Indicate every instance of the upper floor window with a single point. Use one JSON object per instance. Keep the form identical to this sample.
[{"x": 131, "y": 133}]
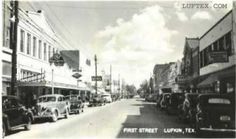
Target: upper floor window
[
  {"x": 45, "y": 51},
  {"x": 228, "y": 43},
  {"x": 40, "y": 49},
  {"x": 49, "y": 51},
  {"x": 34, "y": 46},
  {"x": 28, "y": 49},
  {"x": 22, "y": 40}
]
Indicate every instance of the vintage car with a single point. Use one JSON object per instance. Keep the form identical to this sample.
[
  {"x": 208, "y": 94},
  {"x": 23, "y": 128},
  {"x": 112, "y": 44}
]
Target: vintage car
[
  {"x": 215, "y": 112},
  {"x": 97, "y": 100},
  {"x": 189, "y": 108},
  {"x": 14, "y": 115},
  {"x": 51, "y": 106},
  {"x": 174, "y": 103},
  {"x": 107, "y": 98},
  {"x": 164, "y": 101},
  {"x": 76, "y": 104}
]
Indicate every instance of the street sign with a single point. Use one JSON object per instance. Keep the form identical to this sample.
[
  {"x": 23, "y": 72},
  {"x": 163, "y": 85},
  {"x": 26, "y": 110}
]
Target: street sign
[{"x": 96, "y": 78}]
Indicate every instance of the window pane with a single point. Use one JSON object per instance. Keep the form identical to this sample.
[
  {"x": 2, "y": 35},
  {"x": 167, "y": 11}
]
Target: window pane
[
  {"x": 28, "y": 43},
  {"x": 34, "y": 46},
  {"x": 6, "y": 68},
  {"x": 45, "y": 51},
  {"x": 40, "y": 49},
  {"x": 228, "y": 43},
  {"x": 49, "y": 51},
  {"x": 22, "y": 40}
]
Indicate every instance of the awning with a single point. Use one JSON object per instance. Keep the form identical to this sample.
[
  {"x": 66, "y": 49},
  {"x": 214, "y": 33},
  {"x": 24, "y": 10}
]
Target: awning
[
  {"x": 217, "y": 76},
  {"x": 208, "y": 81}
]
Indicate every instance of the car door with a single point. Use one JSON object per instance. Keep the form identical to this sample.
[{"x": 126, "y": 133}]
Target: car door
[
  {"x": 61, "y": 104},
  {"x": 15, "y": 112}
]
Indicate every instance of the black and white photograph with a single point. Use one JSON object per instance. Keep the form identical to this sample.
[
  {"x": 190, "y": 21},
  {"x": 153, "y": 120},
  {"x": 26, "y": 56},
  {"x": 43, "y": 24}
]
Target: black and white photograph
[{"x": 108, "y": 69}]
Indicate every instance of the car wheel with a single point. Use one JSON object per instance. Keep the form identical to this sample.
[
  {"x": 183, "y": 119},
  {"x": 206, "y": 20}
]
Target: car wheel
[
  {"x": 3, "y": 130},
  {"x": 28, "y": 125},
  {"x": 54, "y": 116},
  {"x": 67, "y": 113}
]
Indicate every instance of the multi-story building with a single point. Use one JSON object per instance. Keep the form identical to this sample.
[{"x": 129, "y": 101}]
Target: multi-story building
[
  {"x": 37, "y": 44},
  {"x": 190, "y": 68},
  {"x": 217, "y": 56}
]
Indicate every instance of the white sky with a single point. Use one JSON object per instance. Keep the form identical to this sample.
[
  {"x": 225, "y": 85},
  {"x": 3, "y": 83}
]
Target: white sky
[{"x": 131, "y": 36}]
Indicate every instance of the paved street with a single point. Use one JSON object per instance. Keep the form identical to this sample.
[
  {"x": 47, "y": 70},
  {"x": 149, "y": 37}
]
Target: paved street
[{"x": 125, "y": 118}]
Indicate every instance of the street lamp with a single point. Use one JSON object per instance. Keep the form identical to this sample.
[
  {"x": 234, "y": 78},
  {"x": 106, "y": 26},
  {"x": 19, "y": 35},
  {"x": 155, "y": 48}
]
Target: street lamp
[{"x": 57, "y": 60}]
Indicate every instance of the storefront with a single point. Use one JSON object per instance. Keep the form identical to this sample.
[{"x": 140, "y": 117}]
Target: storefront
[{"x": 219, "y": 82}]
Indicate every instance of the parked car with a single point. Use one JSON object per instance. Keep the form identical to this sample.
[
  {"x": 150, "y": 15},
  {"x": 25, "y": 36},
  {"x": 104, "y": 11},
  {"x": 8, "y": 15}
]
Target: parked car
[
  {"x": 15, "y": 115},
  {"x": 76, "y": 104},
  {"x": 107, "y": 98},
  {"x": 215, "y": 112},
  {"x": 51, "y": 106},
  {"x": 96, "y": 100},
  {"x": 164, "y": 101},
  {"x": 175, "y": 103},
  {"x": 158, "y": 100},
  {"x": 189, "y": 108}
]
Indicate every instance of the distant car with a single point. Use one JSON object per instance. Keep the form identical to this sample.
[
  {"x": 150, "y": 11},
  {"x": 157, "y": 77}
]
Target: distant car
[
  {"x": 51, "y": 106},
  {"x": 174, "y": 103},
  {"x": 158, "y": 100},
  {"x": 96, "y": 100},
  {"x": 76, "y": 104},
  {"x": 189, "y": 108},
  {"x": 15, "y": 115},
  {"x": 165, "y": 100},
  {"x": 107, "y": 98},
  {"x": 215, "y": 112},
  {"x": 151, "y": 97}
]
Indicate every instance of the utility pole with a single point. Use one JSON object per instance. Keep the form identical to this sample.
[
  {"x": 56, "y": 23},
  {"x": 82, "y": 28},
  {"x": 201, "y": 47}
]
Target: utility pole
[
  {"x": 96, "y": 88},
  {"x": 110, "y": 79},
  {"x": 13, "y": 44}
]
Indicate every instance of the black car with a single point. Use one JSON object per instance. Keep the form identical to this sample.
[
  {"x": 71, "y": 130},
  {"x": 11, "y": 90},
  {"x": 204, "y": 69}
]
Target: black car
[
  {"x": 97, "y": 100},
  {"x": 189, "y": 108},
  {"x": 175, "y": 102},
  {"x": 164, "y": 101},
  {"x": 215, "y": 112},
  {"x": 76, "y": 104},
  {"x": 15, "y": 115}
]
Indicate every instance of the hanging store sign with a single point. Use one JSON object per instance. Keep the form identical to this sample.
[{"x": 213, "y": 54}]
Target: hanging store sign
[
  {"x": 217, "y": 57},
  {"x": 96, "y": 78},
  {"x": 57, "y": 59}
]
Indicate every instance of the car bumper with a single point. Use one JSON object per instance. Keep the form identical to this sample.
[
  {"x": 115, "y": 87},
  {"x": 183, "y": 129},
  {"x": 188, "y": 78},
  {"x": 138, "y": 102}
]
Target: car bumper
[{"x": 218, "y": 130}]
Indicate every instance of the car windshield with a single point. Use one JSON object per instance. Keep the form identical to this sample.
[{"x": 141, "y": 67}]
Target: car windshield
[
  {"x": 47, "y": 99},
  {"x": 73, "y": 98}
]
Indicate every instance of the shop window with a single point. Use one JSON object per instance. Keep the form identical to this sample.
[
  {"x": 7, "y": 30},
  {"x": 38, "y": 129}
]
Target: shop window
[
  {"x": 40, "y": 49},
  {"x": 28, "y": 48},
  {"x": 230, "y": 88},
  {"x": 22, "y": 40},
  {"x": 34, "y": 46}
]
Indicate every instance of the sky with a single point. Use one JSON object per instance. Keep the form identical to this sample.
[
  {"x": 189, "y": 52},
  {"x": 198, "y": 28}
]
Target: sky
[{"x": 132, "y": 36}]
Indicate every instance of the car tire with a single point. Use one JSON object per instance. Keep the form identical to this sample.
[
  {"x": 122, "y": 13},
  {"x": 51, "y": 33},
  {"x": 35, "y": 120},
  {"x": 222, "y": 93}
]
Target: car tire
[
  {"x": 4, "y": 130},
  {"x": 28, "y": 125},
  {"x": 54, "y": 116},
  {"x": 67, "y": 113}
]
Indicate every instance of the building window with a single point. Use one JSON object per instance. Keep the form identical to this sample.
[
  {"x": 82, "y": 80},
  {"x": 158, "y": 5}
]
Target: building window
[
  {"x": 7, "y": 38},
  {"x": 40, "y": 49},
  {"x": 22, "y": 40},
  {"x": 34, "y": 46},
  {"x": 53, "y": 51},
  {"x": 221, "y": 44},
  {"x": 28, "y": 49},
  {"x": 215, "y": 46},
  {"x": 228, "y": 43},
  {"x": 49, "y": 51},
  {"x": 45, "y": 51}
]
